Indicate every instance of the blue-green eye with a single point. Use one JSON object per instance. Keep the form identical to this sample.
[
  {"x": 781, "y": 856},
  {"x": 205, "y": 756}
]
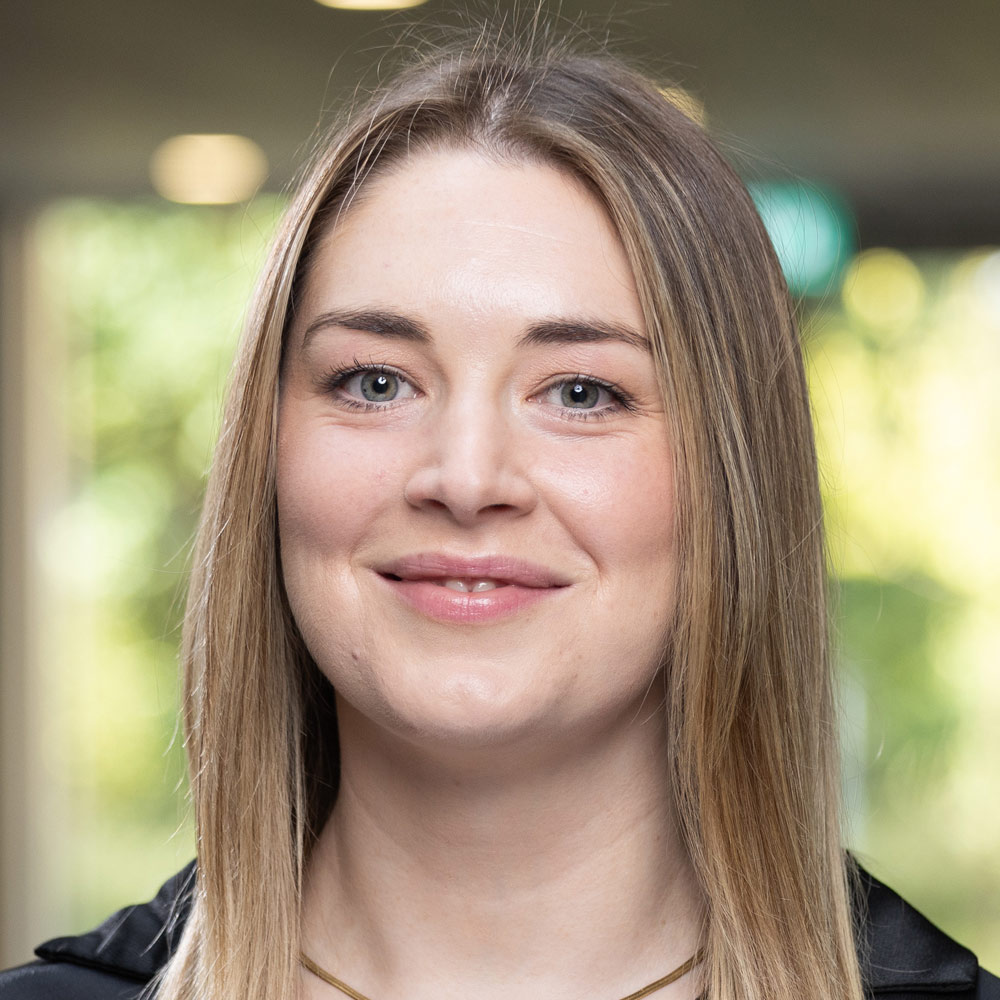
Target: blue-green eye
[
  {"x": 367, "y": 386},
  {"x": 378, "y": 386},
  {"x": 580, "y": 395},
  {"x": 584, "y": 397}
]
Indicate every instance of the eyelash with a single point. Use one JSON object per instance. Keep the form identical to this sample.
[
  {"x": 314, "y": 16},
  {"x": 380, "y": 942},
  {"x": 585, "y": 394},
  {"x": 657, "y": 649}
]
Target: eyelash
[
  {"x": 334, "y": 380},
  {"x": 621, "y": 399}
]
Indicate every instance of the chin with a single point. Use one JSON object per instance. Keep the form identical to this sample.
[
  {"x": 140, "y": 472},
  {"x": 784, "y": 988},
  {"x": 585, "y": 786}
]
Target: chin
[
  {"x": 471, "y": 709},
  {"x": 462, "y": 711}
]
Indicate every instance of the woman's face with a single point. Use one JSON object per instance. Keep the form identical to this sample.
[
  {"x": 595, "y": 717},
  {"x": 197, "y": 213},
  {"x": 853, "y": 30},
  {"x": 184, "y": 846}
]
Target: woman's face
[{"x": 474, "y": 470}]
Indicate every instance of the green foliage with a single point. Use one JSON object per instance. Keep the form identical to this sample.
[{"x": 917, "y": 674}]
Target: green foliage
[
  {"x": 887, "y": 630},
  {"x": 148, "y": 300},
  {"x": 907, "y": 418}
]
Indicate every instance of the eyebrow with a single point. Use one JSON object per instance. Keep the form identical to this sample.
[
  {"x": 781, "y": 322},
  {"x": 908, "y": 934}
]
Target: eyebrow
[
  {"x": 385, "y": 324},
  {"x": 397, "y": 327},
  {"x": 579, "y": 332}
]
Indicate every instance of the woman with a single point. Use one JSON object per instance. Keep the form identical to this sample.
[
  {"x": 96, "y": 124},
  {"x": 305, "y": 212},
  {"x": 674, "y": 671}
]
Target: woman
[{"x": 506, "y": 648}]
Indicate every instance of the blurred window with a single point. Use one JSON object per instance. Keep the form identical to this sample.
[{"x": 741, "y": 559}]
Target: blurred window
[{"x": 903, "y": 357}]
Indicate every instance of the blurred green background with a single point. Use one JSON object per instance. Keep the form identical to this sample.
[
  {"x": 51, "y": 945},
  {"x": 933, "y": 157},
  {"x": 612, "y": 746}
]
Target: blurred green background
[{"x": 903, "y": 352}]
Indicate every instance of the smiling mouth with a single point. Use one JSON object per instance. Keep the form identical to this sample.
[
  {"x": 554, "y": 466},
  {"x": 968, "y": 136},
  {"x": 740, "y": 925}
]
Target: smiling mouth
[
  {"x": 471, "y": 575},
  {"x": 470, "y": 591},
  {"x": 462, "y": 586}
]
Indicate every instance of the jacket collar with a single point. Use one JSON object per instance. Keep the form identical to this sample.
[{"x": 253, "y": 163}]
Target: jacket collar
[
  {"x": 135, "y": 942},
  {"x": 902, "y": 953}
]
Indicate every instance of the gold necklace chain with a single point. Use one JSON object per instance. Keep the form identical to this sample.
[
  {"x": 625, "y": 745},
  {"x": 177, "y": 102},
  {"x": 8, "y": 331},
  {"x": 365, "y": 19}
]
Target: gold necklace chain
[{"x": 670, "y": 977}]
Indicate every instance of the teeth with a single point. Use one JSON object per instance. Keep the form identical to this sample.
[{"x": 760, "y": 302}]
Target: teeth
[{"x": 470, "y": 586}]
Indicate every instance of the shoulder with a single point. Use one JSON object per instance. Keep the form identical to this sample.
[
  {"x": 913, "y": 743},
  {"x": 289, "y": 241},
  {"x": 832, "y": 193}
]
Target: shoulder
[
  {"x": 989, "y": 986},
  {"x": 115, "y": 961},
  {"x": 47, "y": 980},
  {"x": 903, "y": 955}
]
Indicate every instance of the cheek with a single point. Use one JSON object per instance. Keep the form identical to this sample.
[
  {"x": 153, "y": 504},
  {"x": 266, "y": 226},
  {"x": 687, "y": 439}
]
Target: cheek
[
  {"x": 331, "y": 489},
  {"x": 620, "y": 505},
  {"x": 330, "y": 483},
  {"x": 619, "y": 508}
]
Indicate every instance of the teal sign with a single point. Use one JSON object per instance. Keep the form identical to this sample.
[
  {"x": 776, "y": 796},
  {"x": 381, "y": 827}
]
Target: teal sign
[{"x": 812, "y": 230}]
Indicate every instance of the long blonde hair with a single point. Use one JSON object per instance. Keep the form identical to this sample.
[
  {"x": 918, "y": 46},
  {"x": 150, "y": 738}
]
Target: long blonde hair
[{"x": 752, "y": 725}]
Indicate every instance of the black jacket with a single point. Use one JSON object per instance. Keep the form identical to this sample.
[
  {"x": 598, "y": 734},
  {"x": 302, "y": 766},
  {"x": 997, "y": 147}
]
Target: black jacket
[{"x": 908, "y": 958}]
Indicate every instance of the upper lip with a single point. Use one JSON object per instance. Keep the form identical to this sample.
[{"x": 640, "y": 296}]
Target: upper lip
[{"x": 501, "y": 568}]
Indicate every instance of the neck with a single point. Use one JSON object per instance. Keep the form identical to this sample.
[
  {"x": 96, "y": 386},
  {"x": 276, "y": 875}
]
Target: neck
[{"x": 520, "y": 874}]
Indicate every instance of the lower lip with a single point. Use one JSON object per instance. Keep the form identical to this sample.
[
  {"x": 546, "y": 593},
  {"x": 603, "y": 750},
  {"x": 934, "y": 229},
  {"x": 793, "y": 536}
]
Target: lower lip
[{"x": 446, "y": 605}]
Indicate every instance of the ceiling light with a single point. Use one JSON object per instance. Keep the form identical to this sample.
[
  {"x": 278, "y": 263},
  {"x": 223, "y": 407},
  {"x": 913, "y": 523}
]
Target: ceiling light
[
  {"x": 370, "y": 4},
  {"x": 208, "y": 169}
]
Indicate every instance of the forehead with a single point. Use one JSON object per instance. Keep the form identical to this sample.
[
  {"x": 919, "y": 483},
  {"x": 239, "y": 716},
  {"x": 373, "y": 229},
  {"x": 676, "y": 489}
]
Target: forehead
[{"x": 458, "y": 228}]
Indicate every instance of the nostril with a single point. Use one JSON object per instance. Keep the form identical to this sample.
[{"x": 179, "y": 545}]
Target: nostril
[{"x": 467, "y": 491}]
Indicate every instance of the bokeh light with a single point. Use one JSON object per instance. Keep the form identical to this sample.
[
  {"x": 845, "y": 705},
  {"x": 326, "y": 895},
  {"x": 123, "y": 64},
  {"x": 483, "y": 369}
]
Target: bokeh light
[
  {"x": 371, "y": 4},
  {"x": 812, "y": 231},
  {"x": 208, "y": 169},
  {"x": 986, "y": 287},
  {"x": 884, "y": 289}
]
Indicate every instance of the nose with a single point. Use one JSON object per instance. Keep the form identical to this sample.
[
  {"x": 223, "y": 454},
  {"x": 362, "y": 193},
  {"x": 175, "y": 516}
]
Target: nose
[{"x": 473, "y": 466}]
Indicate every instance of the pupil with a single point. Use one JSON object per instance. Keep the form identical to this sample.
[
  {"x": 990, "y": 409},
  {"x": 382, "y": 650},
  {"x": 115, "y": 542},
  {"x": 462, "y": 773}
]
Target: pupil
[
  {"x": 580, "y": 395},
  {"x": 377, "y": 387}
]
